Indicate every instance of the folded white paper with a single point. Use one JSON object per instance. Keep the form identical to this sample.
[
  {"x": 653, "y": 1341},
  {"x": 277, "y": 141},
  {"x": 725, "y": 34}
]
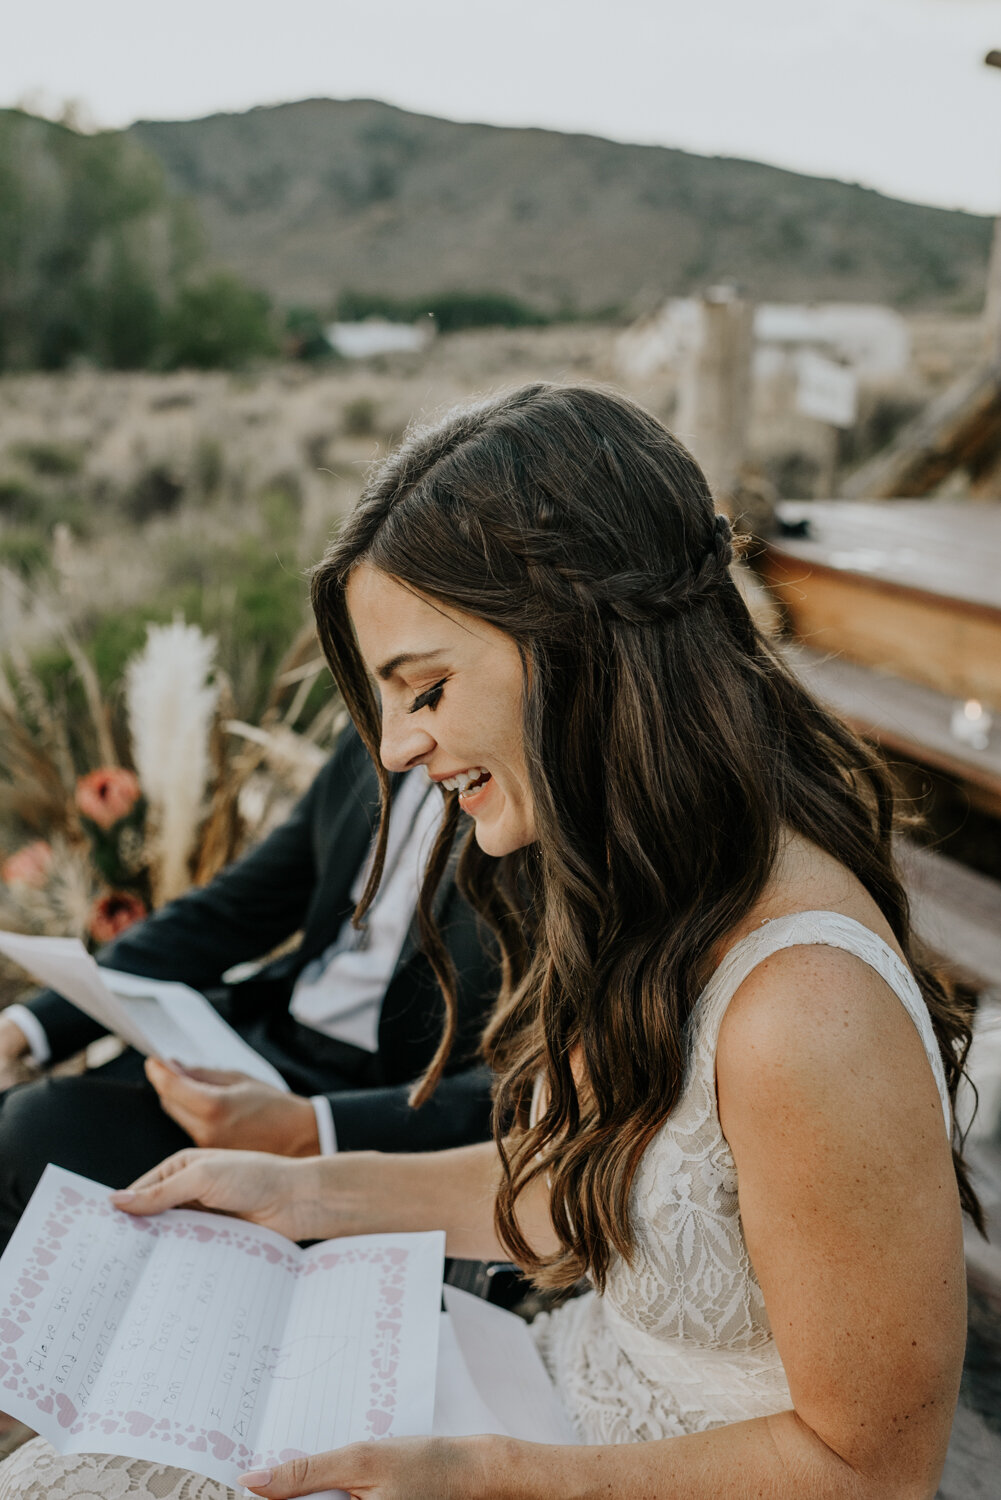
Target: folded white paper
[
  {"x": 207, "y": 1342},
  {"x": 502, "y": 1367},
  {"x": 157, "y": 1017}
]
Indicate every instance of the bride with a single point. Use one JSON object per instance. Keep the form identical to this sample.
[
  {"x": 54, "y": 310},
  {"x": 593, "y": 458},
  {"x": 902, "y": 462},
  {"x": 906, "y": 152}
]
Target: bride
[{"x": 724, "y": 1072}]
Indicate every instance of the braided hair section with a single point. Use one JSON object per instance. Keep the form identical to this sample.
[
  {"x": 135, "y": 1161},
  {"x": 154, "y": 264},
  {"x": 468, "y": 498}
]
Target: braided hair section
[
  {"x": 649, "y": 598},
  {"x": 635, "y": 596}
]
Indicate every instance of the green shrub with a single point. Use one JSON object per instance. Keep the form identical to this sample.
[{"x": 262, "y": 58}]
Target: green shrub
[
  {"x": 452, "y": 311},
  {"x": 156, "y": 492},
  {"x": 115, "y": 636},
  {"x": 241, "y": 590},
  {"x": 305, "y": 337},
  {"x": 25, "y": 552},
  {"x": 209, "y": 466},
  {"x": 126, "y": 317},
  {"x": 20, "y": 502},
  {"x": 218, "y": 323},
  {"x": 55, "y": 460},
  {"x": 279, "y": 507},
  {"x": 360, "y": 417}
]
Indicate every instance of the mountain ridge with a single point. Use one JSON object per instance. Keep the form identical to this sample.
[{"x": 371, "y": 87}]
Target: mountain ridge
[{"x": 319, "y": 196}]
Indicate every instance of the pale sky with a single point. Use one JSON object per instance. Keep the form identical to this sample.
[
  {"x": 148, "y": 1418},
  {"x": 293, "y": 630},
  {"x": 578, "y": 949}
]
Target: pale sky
[{"x": 890, "y": 93}]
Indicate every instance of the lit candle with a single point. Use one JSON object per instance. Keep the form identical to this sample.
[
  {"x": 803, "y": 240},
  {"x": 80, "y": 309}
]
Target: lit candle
[{"x": 971, "y": 723}]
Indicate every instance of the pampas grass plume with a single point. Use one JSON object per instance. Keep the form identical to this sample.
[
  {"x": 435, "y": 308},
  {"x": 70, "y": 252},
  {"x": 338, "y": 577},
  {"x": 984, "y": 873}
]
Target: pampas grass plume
[{"x": 171, "y": 702}]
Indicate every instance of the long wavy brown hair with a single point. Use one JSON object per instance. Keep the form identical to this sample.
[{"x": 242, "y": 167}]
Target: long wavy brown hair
[{"x": 668, "y": 748}]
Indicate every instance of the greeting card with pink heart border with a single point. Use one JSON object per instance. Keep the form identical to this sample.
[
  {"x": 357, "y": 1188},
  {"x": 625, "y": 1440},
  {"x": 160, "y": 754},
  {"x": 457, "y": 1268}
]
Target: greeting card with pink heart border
[{"x": 208, "y": 1342}]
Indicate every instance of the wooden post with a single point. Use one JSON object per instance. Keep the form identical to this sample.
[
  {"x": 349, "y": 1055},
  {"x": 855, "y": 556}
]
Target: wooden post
[
  {"x": 715, "y": 399},
  {"x": 992, "y": 304},
  {"x": 827, "y": 476}
]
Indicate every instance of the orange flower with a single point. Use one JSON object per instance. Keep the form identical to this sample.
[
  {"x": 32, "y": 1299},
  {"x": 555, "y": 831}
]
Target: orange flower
[
  {"x": 28, "y": 866},
  {"x": 108, "y": 795},
  {"x": 113, "y": 913}
]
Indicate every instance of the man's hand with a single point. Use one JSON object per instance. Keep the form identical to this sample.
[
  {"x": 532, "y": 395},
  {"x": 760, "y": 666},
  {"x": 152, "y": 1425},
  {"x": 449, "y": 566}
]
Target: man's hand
[
  {"x": 14, "y": 1066},
  {"x": 233, "y": 1111}
]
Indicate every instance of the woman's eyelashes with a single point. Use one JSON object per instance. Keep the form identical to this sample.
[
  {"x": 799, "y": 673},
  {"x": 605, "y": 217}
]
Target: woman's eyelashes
[{"x": 430, "y": 699}]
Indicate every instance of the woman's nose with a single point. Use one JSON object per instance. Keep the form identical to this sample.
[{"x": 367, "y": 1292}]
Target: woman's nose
[{"x": 404, "y": 743}]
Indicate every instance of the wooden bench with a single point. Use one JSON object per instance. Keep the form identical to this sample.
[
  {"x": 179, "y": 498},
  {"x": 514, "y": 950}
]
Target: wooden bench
[
  {"x": 907, "y": 587},
  {"x": 895, "y": 614},
  {"x": 904, "y": 718},
  {"x": 958, "y": 912}
]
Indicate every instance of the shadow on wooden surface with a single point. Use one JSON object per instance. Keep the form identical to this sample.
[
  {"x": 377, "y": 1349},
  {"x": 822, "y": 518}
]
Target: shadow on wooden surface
[{"x": 973, "y": 1467}]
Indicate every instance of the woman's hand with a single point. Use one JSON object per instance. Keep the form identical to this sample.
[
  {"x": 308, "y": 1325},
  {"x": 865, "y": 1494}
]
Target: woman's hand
[
  {"x": 394, "y": 1469},
  {"x": 274, "y": 1191}
]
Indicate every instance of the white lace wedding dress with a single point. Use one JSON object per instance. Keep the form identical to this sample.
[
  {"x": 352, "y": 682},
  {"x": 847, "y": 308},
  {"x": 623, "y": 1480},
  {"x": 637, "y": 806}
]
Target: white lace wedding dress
[{"x": 680, "y": 1341}]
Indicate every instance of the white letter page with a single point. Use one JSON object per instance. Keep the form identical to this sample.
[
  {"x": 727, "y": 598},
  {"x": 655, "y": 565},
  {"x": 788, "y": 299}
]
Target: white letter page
[{"x": 206, "y": 1342}]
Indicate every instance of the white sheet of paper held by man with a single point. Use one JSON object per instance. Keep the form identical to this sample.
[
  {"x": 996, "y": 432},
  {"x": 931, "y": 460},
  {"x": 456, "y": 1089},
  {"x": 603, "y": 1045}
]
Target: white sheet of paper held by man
[
  {"x": 156, "y": 1016},
  {"x": 209, "y": 1343}
]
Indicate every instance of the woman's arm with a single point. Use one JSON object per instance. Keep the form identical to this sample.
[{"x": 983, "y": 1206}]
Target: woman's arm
[
  {"x": 851, "y": 1216},
  {"x": 359, "y": 1192}
]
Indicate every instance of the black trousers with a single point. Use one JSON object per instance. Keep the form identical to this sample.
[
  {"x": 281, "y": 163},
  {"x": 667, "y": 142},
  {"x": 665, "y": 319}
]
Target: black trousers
[{"x": 108, "y": 1123}]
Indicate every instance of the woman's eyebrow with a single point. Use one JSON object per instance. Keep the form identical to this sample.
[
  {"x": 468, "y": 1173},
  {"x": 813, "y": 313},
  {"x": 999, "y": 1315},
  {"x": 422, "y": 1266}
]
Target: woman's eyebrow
[{"x": 405, "y": 659}]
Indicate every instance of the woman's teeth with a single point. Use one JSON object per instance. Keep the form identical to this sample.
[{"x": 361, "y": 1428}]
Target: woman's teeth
[{"x": 464, "y": 780}]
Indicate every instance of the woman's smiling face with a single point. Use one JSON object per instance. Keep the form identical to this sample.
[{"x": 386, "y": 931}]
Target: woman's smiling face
[{"x": 451, "y": 689}]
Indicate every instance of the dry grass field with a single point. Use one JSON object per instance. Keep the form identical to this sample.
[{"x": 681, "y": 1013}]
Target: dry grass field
[{"x": 128, "y": 497}]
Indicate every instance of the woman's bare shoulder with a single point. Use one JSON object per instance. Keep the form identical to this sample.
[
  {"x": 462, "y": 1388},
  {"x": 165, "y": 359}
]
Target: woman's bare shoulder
[{"x": 815, "y": 1032}]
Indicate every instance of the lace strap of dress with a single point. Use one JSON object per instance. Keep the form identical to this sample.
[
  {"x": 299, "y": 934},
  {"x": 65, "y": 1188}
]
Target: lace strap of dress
[{"x": 834, "y": 930}]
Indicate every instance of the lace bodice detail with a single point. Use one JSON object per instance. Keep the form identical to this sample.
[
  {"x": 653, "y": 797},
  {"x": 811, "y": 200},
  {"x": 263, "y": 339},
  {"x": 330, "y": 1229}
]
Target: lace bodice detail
[
  {"x": 38, "y": 1472},
  {"x": 680, "y": 1341}
]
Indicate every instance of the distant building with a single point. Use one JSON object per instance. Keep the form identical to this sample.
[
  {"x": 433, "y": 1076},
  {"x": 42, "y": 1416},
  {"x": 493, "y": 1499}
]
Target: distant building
[
  {"x": 872, "y": 340},
  {"x": 380, "y": 336}
]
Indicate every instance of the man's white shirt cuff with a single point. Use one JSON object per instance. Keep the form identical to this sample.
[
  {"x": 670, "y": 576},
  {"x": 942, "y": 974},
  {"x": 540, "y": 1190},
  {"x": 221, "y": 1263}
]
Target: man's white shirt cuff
[
  {"x": 34, "y": 1034},
  {"x": 324, "y": 1123}
]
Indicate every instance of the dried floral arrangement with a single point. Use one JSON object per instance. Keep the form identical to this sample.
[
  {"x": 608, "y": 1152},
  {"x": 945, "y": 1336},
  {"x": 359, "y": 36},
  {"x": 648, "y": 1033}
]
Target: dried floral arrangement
[{"x": 152, "y": 788}]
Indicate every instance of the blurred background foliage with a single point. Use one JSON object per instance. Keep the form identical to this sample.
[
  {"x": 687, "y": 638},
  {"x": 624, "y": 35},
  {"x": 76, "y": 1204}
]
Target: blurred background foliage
[{"x": 99, "y": 262}]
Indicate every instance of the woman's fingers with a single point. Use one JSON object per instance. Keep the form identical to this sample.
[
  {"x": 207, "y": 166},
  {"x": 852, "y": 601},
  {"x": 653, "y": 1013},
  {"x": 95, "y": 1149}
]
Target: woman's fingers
[
  {"x": 167, "y": 1167},
  {"x": 395, "y": 1469},
  {"x": 341, "y": 1470},
  {"x": 183, "y": 1184}
]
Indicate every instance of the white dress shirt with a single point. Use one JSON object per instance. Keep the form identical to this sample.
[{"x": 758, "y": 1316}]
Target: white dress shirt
[{"x": 340, "y": 993}]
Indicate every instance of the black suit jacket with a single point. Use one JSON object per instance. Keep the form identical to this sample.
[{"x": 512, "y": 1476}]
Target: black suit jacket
[{"x": 299, "y": 879}]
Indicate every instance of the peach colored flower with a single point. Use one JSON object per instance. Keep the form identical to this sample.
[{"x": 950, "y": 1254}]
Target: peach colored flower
[
  {"x": 28, "y": 866},
  {"x": 107, "y": 795},
  {"x": 112, "y": 913}
]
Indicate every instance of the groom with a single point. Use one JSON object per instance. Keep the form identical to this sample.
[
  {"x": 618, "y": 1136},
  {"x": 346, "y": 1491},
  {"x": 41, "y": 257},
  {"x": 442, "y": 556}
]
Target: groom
[{"x": 349, "y": 1019}]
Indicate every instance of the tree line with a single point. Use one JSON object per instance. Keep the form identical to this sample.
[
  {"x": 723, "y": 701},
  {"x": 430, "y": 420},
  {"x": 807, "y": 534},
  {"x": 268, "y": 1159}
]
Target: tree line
[{"x": 99, "y": 262}]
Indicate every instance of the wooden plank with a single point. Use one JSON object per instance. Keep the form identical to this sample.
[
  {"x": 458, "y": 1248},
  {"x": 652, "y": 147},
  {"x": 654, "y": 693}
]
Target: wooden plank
[
  {"x": 904, "y": 718},
  {"x": 973, "y": 1464},
  {"x": 957, "y": 911},
  {"x": 913, "y": 589},
  {"x": 924, "y": 640},
  {"x": 943, "y": 548}
]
